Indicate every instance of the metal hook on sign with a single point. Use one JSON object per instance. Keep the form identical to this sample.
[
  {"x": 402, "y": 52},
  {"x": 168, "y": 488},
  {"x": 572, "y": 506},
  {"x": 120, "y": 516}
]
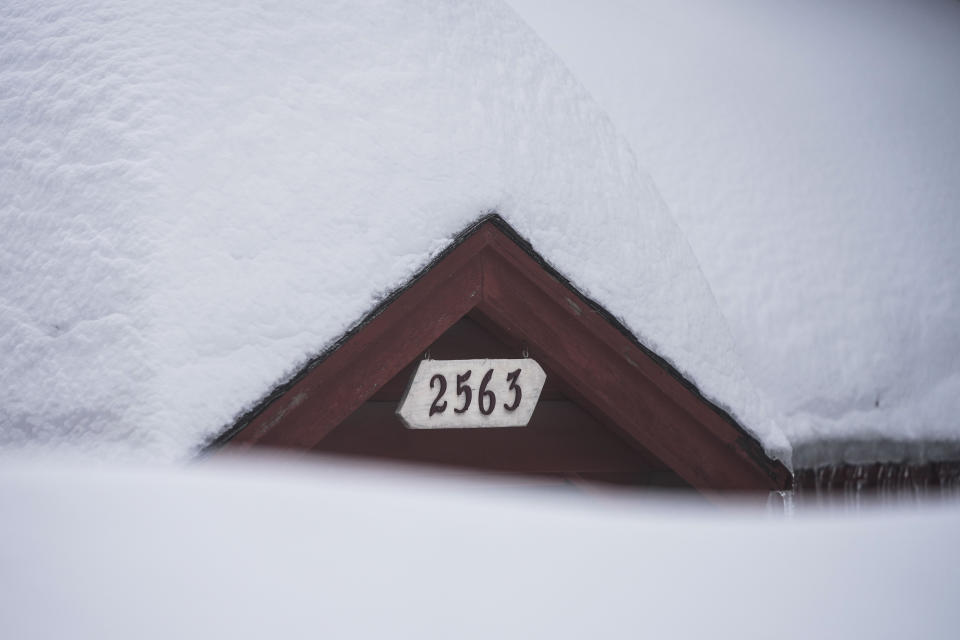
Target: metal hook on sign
[
  {"x": 523, "y": 350},
  {"x": 426, "y": 354}
]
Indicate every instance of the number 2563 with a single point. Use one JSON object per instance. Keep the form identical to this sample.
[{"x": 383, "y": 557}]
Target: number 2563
[{"x": 486, "y": 398}]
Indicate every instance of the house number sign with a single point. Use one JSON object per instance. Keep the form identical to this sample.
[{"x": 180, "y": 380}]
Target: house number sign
[{"x": 463, "y": 394}]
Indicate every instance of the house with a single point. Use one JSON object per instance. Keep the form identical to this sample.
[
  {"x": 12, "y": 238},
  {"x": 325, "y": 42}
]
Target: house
[{"x": 209, "y": 205}]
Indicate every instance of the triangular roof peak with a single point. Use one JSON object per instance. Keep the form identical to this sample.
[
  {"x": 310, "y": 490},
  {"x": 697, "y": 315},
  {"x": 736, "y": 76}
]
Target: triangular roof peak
[{"x": 493, "y": 275}]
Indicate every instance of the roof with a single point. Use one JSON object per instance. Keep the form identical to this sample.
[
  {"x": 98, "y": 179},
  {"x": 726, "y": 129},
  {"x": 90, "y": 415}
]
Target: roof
[
  {"x": 198, "y": 200},
  {"x": 811, "y": 155}
]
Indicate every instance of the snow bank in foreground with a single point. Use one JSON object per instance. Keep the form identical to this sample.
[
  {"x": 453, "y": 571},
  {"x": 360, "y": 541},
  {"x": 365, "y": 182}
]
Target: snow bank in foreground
[
  {"x": 332, "y": 552},
  {"x": 198, "y": 197},
  {"x": 810, "y": 151}
]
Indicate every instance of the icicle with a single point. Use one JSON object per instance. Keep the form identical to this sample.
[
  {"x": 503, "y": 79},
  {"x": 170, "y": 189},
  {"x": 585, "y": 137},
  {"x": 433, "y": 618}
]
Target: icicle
[
  {"x": 918, "y": 483},
  {"x": 886, "y": 483},
  {"x": 787, "y": 504},
  {"x": 849, "y": 487},
  {"x": 905, "y": 486},
  {"x": 780, "y": 503},
  {"x": 824, "y": 484},
  {"x": 859, "y": 481}
]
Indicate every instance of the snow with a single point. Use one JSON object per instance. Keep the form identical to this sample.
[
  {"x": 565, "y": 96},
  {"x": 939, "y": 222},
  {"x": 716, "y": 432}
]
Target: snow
[
  {"x": 196, "y": 198},
  {"x": 811, "y": 154},
  {"x": 282, "y": 549}
]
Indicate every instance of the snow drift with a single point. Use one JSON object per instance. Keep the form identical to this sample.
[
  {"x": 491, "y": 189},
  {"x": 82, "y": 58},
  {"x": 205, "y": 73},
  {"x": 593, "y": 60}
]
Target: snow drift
[{"x": 301, "y": 551}]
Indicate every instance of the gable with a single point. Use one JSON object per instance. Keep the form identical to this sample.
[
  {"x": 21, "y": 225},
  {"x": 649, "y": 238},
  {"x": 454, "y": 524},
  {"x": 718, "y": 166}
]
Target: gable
[
  {"x": 492, "y": 281},
  {"x": 561, "y": 438}
]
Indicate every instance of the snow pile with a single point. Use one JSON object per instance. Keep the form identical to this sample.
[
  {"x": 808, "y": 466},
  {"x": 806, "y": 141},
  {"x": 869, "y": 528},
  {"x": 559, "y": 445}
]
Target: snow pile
[
  {"x": 811, "y": 153},
  {"x": 198, "y": 197},
  {"x": 297, "y": 552}
]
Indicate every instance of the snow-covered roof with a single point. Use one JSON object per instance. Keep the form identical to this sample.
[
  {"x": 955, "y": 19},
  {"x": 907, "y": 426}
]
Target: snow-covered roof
[
  {"x": 196, "y": 199},
  {"x": 810, "y": 151}
]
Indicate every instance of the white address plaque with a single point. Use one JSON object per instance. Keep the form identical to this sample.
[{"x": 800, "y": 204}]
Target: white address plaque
[{"x": 464, "y": 394}]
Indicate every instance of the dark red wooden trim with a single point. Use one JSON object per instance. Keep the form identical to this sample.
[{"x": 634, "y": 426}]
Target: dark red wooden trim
[
  {"x": 337, "y": 386},
  {"x": 495, "y": 274},
  {"x": 615, "y": 379}
]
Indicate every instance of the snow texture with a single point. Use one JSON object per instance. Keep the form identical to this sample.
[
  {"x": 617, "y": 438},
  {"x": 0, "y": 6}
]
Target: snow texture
[
  {"x": 287, "y": 552},
  {"x": 199, "y": 196},
  {"x": 811, "y": 153}
]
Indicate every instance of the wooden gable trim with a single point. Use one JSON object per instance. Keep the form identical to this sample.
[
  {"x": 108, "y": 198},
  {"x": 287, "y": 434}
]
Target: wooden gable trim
[{"x": 490, "y": 269}]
